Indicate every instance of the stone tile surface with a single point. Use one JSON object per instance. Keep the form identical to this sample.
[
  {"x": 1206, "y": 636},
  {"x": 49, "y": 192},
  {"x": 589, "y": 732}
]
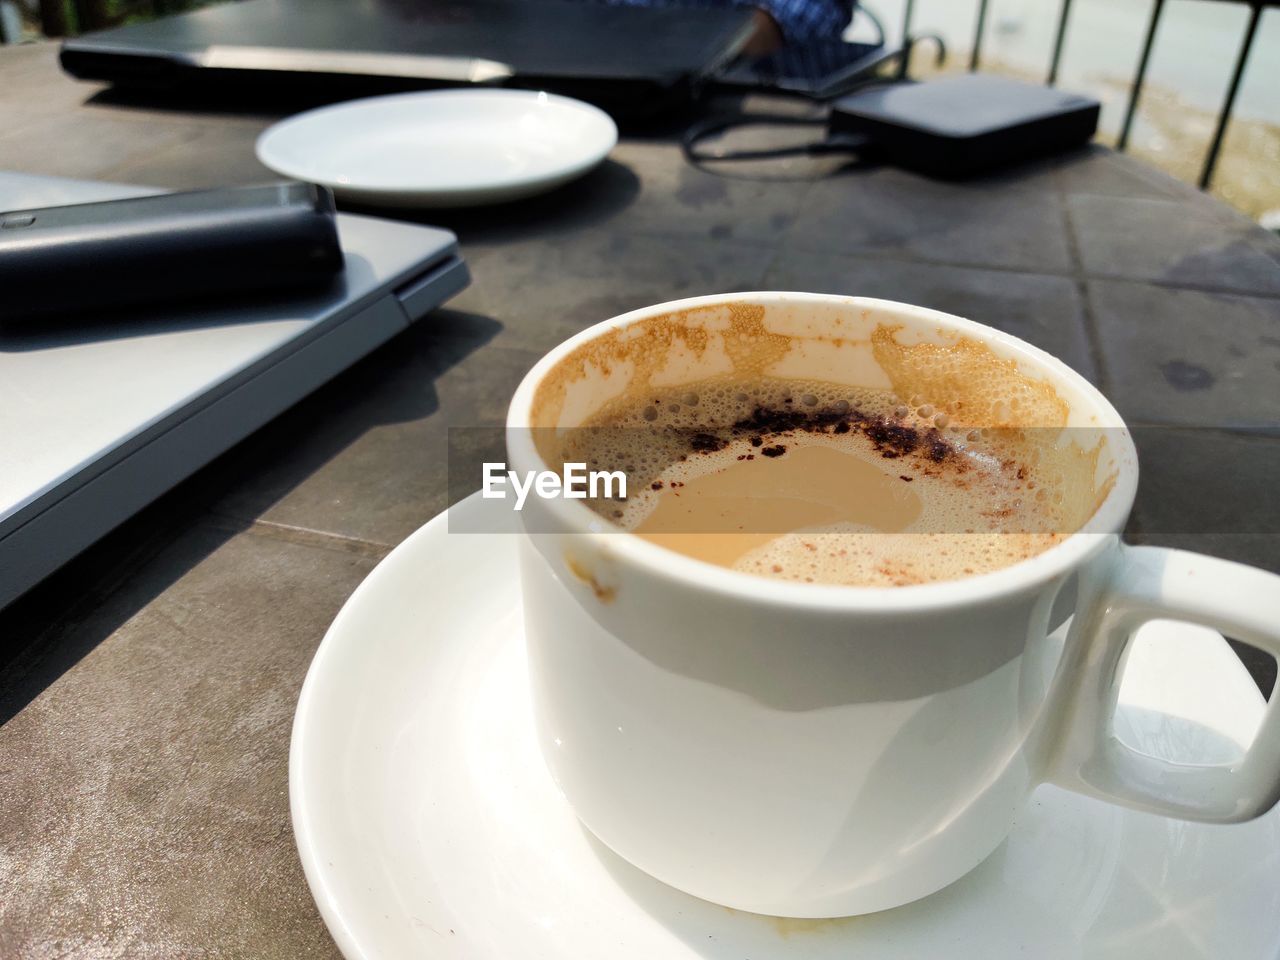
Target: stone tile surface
[
  {"x": 1097, "y": 171},
  {"x": 144, "y": 793},
  {"x": 688, "y": 201},
  {"x": 211, "y": 156},
  {"x": 35, "y": 91},
  {"x": 1044, "y": 310},
  {"x": 1014, "y": 226},
  {"x": 1178, "y": 246},
  {"x": 1187, "y": 356},
  {"x": 543, "y": 293},
  {"x": 1208, "y": 483},
  {"x": 86, "y": 145}
]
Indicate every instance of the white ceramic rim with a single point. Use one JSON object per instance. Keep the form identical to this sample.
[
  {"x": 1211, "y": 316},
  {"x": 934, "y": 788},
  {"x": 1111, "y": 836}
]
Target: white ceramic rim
[
  {"x": 510, "y": 184},
  {"x": 1107, "y": 521}
]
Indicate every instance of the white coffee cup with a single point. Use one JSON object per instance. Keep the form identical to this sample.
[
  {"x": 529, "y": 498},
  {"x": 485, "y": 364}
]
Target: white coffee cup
[{"x": 814, "y": 751}]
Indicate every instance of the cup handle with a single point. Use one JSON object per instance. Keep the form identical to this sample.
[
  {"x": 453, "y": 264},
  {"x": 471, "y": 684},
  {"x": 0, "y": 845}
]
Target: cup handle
[{"x": 1148, "y": 583}]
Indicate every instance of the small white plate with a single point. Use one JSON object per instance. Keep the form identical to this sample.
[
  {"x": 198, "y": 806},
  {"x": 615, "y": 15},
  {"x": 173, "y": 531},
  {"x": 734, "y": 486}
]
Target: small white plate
[
  {"x": 429, "y": 828},
  {"x": 445, "y": 148}
]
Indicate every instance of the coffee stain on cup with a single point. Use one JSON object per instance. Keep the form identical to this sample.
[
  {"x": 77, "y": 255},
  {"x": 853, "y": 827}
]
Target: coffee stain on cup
[
  {"x": 580, "y": 571},
  {"x": 788, "y": 927}
]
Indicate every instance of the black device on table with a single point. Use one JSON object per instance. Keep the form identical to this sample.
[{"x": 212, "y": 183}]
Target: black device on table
[
  {"x": 951, "y": 128},
  {"x": 175, "y": 246}
]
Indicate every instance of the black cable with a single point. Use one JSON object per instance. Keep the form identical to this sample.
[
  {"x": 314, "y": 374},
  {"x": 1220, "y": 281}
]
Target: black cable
[
  {"x": 864, "y": 73},
  {"x": 875, "y": 22}
]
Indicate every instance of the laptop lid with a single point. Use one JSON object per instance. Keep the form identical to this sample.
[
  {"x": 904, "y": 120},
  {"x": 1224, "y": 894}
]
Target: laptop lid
[
  {"x": 99, "y": 417},
  {"x": 582, "y": 48}
]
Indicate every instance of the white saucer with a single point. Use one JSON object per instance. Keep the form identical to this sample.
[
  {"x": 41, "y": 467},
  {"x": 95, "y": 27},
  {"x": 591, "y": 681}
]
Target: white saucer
[
  {"x": 444, "y": 148},
  {"x": 429, "y": 828}
]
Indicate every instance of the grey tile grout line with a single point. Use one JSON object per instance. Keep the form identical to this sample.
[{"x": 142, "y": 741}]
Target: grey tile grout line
[
  {"x": 300, "y": 536},
  {"x": 1246, "y": 433},
  {"x": 776, "y": 245},
  {"x": 880, "y": 253},
  {"x": 1181, "y": 287},
  {"x": 768, "y": 269},
  {"x": 1092, "y": 336},
  {"x": 1078, "y": 274}
]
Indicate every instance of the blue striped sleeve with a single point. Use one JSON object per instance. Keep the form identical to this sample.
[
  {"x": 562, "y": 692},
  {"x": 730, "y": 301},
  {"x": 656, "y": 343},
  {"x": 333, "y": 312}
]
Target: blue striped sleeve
[{"x": 803, "y": 21}]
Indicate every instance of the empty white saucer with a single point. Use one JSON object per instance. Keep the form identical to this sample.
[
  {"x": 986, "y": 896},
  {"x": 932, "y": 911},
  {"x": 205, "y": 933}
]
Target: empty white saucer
[
  {"x": 428, "y": 826},
  {"x": 443, "y": 148}
]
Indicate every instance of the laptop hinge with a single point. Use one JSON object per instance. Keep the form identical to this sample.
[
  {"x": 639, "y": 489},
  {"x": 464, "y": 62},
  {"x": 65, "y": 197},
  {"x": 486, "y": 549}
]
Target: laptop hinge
[{"x": 428, "y": 289}]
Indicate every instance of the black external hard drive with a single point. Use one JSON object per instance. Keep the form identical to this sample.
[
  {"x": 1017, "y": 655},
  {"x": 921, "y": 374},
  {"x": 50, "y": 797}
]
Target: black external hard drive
[
  {"x": 963, "y": 126},
  {"x": 101, "y": 257}
]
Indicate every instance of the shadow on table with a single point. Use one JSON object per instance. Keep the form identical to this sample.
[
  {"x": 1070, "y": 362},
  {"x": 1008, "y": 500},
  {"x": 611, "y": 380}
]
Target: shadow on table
[
  {"x": 279, "y": 99},
  {"x": 46, "y": 632},
  {"x": 264, "y": 101},
  {"x": 600, "y": 195}
]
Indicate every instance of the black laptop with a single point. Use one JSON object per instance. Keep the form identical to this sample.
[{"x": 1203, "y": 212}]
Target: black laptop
[{"x": 620, "y": 57}]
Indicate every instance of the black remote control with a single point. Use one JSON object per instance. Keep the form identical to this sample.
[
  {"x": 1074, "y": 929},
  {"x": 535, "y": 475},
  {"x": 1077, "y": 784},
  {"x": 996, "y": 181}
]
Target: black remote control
[{"x": 100, "y": 257}]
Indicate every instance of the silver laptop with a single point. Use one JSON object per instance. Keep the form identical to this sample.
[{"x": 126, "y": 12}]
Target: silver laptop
[{"x": 96, "y": 421}]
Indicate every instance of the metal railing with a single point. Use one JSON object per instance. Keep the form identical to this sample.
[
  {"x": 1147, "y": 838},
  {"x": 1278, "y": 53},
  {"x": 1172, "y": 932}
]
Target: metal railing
[{"x": 1135, "y": 91}]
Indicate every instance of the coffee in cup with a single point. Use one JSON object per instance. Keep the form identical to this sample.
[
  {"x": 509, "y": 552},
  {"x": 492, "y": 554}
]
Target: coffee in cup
[{"x": 825, "y": 482}]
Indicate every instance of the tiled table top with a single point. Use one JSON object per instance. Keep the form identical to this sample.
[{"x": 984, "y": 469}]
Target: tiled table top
[{"x": 146, "y": 691}]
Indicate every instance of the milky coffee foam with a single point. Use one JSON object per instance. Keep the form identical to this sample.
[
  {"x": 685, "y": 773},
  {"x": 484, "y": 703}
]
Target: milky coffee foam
[{"x": 953, "y": 469}]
